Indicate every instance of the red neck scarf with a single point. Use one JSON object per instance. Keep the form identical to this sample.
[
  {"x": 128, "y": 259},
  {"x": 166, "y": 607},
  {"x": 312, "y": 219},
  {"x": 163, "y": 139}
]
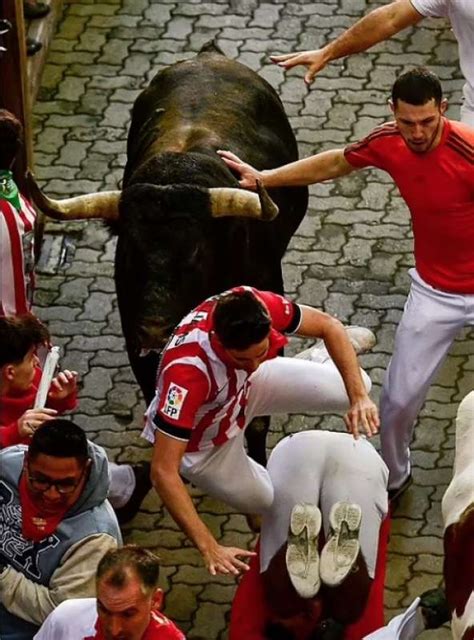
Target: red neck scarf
[{"x": 34, "y": 524}]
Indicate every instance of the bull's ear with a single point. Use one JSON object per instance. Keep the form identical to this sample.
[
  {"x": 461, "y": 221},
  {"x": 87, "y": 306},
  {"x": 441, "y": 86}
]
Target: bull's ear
[
  {"x": 102, "y": 205},
  {"x": 242, "y": 203}
]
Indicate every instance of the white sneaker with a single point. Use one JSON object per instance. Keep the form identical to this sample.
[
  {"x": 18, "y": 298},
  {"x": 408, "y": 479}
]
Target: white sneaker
[
  {"x": 340, "y": 552},
  {"x": 302, "y": 558},
  {"x": 361, "y": 338}
]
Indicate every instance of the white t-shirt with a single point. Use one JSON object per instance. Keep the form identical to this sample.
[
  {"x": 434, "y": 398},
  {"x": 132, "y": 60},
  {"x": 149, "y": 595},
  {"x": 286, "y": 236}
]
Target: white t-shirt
[
  {"x": 72, "y": 619},
  {"x": 461, "y": 16}
]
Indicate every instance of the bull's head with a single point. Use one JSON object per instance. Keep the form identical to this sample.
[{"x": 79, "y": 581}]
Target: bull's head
[
  {"x": 166, "y": 247},
  {"x": 223, "y": 202}
]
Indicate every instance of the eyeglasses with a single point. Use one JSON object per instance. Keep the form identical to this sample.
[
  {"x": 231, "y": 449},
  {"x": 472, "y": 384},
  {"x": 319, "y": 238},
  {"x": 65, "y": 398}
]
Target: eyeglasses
[{"x": 63, "y": 487}]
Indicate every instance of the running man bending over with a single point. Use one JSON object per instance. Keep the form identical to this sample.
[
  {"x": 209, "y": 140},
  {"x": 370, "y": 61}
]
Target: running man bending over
[{"x": 219, "y": 371}]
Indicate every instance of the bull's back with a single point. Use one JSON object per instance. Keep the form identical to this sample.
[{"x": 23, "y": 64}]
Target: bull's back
[{"x": 211, "y": 102}]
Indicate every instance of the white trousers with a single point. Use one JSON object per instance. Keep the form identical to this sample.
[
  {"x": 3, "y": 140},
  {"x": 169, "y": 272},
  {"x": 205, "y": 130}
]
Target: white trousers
[
  {"x": 431, "y": 321},
  {"x": 121, "y": 484},
  {"x": 321, "y": 468},
  {"x": 467, "y": 109},
  {"x": 281, "y": 385}
]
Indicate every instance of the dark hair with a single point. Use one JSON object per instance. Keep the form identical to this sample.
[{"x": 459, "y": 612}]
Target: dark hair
[
  {"x": 240, "y": 320},
  {"x": 18, "y": 334},
  {"x": 417, "y": 86},
  {"x": 11, "y": 138},
  {"x": 59, "y": 438},
  {"x": 116, "y": 565}
]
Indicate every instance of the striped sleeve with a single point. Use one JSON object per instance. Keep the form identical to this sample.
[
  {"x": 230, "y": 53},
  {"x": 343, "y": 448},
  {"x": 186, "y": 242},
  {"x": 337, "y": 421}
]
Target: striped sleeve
[
  {"x": 16, "y": 257},
  {"x": 185, "y": 389}
]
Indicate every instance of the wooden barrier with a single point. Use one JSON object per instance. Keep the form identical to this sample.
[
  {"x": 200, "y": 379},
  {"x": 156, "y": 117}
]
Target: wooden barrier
[{"x": 20, "y": 80}]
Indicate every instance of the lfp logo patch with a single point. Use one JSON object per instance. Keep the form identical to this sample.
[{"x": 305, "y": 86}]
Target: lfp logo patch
[{"x": 174, "y": 400}]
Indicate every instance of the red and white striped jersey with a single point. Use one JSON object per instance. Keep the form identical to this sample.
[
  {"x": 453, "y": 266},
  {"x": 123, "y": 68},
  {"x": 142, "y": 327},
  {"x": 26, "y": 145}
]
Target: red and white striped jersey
[
  {"x": 200, "y": 396},
  {"x": 16, "y": 257}
]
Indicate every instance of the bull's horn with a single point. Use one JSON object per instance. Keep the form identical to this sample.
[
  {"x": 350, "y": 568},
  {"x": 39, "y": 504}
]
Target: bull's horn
[
  {"x": 93, "y": 205},
  {"x": 239, "y": 202}
]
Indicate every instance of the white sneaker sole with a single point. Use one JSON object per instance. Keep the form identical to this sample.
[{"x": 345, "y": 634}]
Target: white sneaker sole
[
  {"x": 302, "y": 558},
  {"x": 340, "y": 552}
]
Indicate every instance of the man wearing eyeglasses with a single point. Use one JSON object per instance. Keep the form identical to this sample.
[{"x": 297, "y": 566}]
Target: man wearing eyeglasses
[{"x": 55, "y": 524}]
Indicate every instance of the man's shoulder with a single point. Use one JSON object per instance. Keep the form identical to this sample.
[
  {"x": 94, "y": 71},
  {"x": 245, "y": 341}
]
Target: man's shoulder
[
  {"x": 461, "y": 130},
  {"x": 11, "y": 462},
  {"x": 384, "y": 135},
  {"x": 460, "y": 140},
  {"x": 383, "y": 132},
  {"x": 70, "y": 619},
  {"x": 75, "y": 606}
]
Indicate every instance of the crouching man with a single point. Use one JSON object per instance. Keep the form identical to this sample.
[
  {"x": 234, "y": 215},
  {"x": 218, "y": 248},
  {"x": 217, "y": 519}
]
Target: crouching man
[
  {"x": 55, "y": 524},
  {"x": 322, "y": 545},
  {"x": 127, "y": 606}
]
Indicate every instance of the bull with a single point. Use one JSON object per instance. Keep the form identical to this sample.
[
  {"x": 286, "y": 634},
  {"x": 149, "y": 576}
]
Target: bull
[{"x": 185, "y": 229}]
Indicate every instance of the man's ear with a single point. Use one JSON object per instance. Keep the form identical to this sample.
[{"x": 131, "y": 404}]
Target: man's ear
[
  {"x": 7, "y": 373},
  {"x": 158, "y": 600},
  {"x": 443, "y": 106},
  {"x": 391, "y": 105}
]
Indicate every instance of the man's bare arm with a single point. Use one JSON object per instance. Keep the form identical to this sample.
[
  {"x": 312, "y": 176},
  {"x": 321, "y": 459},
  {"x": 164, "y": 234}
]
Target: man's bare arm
[
  {"x": 362, "y": 415},
  {"x": 166, "y": 461},
  {"x": 322, "y": 166},
  {"x": 376, "y": 26}
]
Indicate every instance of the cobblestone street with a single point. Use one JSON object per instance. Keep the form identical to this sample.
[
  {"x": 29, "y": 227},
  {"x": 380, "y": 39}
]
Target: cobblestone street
[{"x": 349, "y": 257}]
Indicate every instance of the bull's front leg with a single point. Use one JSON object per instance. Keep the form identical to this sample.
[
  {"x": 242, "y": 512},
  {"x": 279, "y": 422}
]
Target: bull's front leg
[{"x": 256, "y": 437}]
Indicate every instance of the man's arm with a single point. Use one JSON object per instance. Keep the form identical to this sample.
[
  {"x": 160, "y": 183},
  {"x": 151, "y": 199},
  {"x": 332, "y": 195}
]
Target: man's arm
[
  {"x": 322, "y": 166},
  {"x": 376, "y": 26},
  {"x": 165, "y": 477},
  {"x": 362, "y": 415},
  {"x": 74, "y": 578}
]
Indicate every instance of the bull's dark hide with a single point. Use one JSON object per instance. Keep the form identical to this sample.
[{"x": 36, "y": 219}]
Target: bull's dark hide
[{"x": 171, "y": 254}]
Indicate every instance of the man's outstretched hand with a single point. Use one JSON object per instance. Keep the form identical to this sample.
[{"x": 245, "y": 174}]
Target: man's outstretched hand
[
  {"x": 226, "y": 560},
  {"x": 362, "y": 418},
  {"x": 248, "y": 175},
  {"x": 315, "y": 61}
]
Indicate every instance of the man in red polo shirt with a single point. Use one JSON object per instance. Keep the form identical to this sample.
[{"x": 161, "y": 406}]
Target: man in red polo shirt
[
  {"x": 219, "y": 371},
  {"x": 431, "y": 159}
]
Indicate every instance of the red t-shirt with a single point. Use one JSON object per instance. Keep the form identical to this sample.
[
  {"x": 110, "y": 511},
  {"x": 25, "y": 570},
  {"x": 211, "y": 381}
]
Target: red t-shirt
[
  {"x": 201, "y": 396},
  {"x": 12, "y": 407},
  {"x": 438, "y": 188}
]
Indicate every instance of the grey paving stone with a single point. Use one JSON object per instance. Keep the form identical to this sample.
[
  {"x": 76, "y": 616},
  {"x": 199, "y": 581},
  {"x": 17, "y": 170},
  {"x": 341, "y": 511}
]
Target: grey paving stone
[
  {"x": 73, "y": 153},
  {"x": 210, "y": 618},
  {"x": 98, "y": 8}
]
